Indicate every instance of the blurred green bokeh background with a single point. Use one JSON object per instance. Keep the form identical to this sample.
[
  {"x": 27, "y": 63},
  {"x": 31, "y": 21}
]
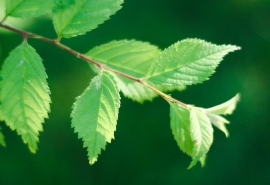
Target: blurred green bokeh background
[{"x": 144, "y": 151}]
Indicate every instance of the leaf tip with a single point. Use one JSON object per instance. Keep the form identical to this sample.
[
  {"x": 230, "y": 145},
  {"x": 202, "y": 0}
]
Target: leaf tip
[{"x": 92, "y": 160}]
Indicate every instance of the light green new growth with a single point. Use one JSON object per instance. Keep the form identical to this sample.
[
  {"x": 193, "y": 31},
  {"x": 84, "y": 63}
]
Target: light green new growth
[
  {"x": 24, "y": 94},
  {"x": 192, "y": 129},
  {"x": 223, "y": 109},
  {"x": 187, "y": 62},
  {"x": 95, "y": 114},
  {"x": 76, "y": 17},
  {"x": 28, "y": 8}
]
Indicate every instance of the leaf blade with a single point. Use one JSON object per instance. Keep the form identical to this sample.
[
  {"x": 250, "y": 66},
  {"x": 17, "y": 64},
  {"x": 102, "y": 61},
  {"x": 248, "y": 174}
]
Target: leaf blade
[
  {"x": 100, "y": 103},
  {"x": 130, "y": 57},
  {"x": 180, "y": 125},
  {"x": 187, "y": 62},
  {"x": 219, "y": 122},
  {"x": 225, "y": 108},
  {"x": 2, "y": 139},
  {"x": 72, "y": 18},
  {"x": 201, "y": 132},
  {"x": 25, "y": 94},
  {"x": 28, "y": 8}
]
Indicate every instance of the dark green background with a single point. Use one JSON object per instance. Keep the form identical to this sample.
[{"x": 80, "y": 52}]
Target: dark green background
[{"x": 144, "y": 151}]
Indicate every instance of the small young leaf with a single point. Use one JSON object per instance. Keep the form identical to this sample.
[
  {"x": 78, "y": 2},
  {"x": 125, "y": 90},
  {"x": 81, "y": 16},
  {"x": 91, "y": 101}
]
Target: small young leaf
[
  {"x": 28, "y": 8},
  {"x": 95, "y": 114},
  {"x": 180, "y": 125},
  {"x": 24, "y": 94},
  {"x": 187, "y": 62},
  {"x": 72, "y": 18},
  {"x": 225, "y": 108},
  {"x": 201, "y": 133},
  {"x": 130, "y": 57},
  {"x": 219, "y": 122}
]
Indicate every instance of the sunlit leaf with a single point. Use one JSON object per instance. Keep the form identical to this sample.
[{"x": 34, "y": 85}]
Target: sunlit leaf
[
  {"x": 76, "y": 17},
  {"x": 95, "y": 114},
  {"x": 225, "y": 108},
  {"x": 25, "y": 94},
  {"x": 187, "y": 62},
  {"x": 180, "y": 125},
  {"x": 130, "y": 57},
  {"x": 28, "y": 8},
  {"x": 219, "y": 122},
  {"x": 201, "y": 133}
]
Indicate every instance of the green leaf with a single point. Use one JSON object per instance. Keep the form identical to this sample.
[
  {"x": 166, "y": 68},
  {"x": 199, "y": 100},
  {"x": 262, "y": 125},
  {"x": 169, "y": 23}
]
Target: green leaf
[
  {"x": 130, "y": 57},
  {"x": 72, "y": 18},
  {"x": 201, "y": 133},
  {"x": 225, "y": 108},
  {"x": 95, "y": 114},
  {"x": 202, "y": 160},
  {"x": 134, "y": 90},
  {"x": 25, "y": 94},
  {"x": 28, "y": 8},
  {"x": 219, "y": 122},
  {"x": 180, "y": 125},
  {"x": 2, "y": 139},
  {"x": 187, "y": 62},
  {"x": 192, "y": 131}
]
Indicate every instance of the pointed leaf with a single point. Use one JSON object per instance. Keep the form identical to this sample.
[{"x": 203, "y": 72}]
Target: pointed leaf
[
  {"x": 28, "y": 8},
  {"x": 225, "y": 108},
  {"x": 76, "y": 17},
  {"x": 219, "y": 122},
  {"x": 95, "y": 114},
  {"x": 25, "y": 94},
  {"x": 180, "y": 125},
  {"x": 203, "y": 160},
  {"x": 201, "y": 133},
  {"x": 187, "y": 62},
  {"x": 130, "y": 57}
]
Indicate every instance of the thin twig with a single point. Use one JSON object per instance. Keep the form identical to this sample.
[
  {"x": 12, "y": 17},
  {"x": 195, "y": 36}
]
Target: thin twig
[{"x": 84, "y": 57}]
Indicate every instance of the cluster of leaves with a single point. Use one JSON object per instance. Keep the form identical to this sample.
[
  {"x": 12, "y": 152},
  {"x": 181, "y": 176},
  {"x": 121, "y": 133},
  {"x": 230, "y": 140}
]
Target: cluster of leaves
[{"x": 139, "y": 70}]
